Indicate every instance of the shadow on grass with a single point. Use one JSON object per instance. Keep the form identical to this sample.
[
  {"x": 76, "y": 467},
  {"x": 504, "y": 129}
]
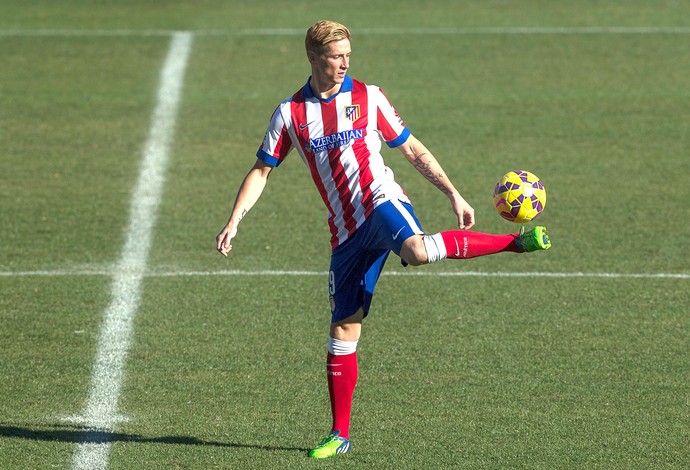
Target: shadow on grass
[{"x": 78, "y": 435}]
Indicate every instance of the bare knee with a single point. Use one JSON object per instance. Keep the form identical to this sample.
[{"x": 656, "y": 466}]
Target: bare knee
[
  {"x": 349, "y": 329},
  {"x": 413, "y": 251}
]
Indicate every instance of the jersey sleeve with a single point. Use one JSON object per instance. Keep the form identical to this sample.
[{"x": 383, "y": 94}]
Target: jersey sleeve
[
  {"x": 277, "y": 142},
  {"x": 388, "y": 122}
]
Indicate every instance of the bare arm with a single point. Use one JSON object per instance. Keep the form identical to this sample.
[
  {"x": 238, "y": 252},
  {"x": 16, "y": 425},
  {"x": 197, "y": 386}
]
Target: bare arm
[
  {"x": 422, "y": 159},
  {"x": 250, "y": 190}
]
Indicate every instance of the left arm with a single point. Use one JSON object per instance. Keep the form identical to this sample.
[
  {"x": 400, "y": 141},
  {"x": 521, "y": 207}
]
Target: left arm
[{"x": 421, "y": 158}]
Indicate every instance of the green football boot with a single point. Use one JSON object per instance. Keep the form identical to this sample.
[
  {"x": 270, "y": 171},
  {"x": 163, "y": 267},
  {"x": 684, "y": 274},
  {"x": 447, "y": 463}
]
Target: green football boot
[
  {"x": 533, "y": 240},
  {"x": 330, "y": 445}
]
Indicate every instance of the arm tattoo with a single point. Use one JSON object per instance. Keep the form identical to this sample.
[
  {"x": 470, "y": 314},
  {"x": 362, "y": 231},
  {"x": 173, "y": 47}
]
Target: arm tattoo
[{"x": 425, "y": 169}]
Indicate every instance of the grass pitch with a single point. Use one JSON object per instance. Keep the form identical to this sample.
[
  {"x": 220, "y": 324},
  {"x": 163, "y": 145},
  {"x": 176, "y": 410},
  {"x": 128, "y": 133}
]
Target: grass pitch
[{"x": 583, "y": 366}]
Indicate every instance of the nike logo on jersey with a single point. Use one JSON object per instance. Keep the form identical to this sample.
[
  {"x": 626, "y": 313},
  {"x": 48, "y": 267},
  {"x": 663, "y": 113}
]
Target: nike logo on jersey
[
  {"x": 304, "y": 126},
  {"x": 395, "y": 237}
]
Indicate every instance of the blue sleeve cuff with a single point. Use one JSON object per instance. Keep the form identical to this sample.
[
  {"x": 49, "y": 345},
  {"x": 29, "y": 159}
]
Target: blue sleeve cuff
[
  {"x": 401, "y": 139},
  {"x": 268, "y": 159}
]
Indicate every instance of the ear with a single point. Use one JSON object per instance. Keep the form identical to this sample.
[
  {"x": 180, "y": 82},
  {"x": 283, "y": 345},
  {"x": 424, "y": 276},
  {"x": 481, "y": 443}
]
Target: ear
[{"x": 311, "y": 56}]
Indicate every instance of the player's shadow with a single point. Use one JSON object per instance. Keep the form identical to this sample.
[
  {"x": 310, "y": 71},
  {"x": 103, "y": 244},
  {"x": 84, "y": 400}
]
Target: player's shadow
[{"x": 79, "y": 435}]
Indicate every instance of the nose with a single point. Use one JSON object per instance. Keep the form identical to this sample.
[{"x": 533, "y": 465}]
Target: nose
[{"x": 345, "y": 63}]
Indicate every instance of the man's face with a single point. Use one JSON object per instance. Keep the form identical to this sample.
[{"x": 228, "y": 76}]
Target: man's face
[{"x": 331, "y": 63}]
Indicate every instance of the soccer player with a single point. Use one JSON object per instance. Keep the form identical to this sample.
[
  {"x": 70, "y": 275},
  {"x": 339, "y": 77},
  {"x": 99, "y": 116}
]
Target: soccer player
[{"x": 336, "y": 124}]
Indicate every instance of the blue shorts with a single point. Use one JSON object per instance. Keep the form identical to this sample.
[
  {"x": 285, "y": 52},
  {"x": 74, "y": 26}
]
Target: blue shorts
[{"x": 357, "y": 263}]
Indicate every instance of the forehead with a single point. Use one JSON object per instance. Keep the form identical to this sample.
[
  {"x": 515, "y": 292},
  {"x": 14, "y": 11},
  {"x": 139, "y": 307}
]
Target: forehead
[{"x": 337, "y": 47}]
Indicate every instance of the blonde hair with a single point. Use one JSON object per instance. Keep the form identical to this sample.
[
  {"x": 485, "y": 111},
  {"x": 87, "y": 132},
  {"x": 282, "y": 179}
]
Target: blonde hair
[{"x": 324, "y": 32}]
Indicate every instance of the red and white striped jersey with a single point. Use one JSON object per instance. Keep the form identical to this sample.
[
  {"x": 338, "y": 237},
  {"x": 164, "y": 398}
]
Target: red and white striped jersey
[{"x": 339, "y": 139}]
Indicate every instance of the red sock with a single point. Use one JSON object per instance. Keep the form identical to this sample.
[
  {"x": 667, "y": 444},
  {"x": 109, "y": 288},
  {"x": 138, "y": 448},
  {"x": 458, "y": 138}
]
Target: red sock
[
  {"x": 463, "y": 244},
  {"x": 342, "y": 379}
]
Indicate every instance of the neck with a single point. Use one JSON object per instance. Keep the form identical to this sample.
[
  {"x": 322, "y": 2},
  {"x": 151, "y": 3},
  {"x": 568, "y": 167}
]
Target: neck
[{"x": 323, "y": 89}]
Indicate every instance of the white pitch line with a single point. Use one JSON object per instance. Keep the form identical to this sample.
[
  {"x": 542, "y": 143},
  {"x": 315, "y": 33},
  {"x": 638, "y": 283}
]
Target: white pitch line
[
  {"x": 507, "y": 30},
  {"x": 238, "y": 272},
  {"x": 100, "y": 415},
  {"x": 430, "y": 274}
]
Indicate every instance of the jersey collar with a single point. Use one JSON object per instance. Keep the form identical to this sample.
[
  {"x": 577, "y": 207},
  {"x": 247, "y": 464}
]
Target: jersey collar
[{"x": 344, "y": 88}]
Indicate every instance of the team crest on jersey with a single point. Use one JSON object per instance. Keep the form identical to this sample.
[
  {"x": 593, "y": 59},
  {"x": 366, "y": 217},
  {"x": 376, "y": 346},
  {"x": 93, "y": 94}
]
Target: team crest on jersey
[{"x": 352, "y": 112}]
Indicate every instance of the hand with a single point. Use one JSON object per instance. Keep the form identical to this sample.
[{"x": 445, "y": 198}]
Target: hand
[
  {"x": 224, "y": 238},
  {"x": 463, "y": 210}
]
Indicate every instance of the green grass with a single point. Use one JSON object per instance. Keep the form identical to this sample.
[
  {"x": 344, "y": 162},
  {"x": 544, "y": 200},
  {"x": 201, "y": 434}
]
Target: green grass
[{"x": 455, "y": 372}]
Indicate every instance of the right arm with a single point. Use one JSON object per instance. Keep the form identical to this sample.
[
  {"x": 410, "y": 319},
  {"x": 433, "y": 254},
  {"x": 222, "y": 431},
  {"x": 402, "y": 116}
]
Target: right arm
[{"x": 250, "y": 190}]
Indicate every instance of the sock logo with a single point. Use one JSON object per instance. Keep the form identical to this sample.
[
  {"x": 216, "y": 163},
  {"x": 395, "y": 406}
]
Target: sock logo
[
  {"x": 332, "y": 372},
  {"x": 465, "y": 247}
]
